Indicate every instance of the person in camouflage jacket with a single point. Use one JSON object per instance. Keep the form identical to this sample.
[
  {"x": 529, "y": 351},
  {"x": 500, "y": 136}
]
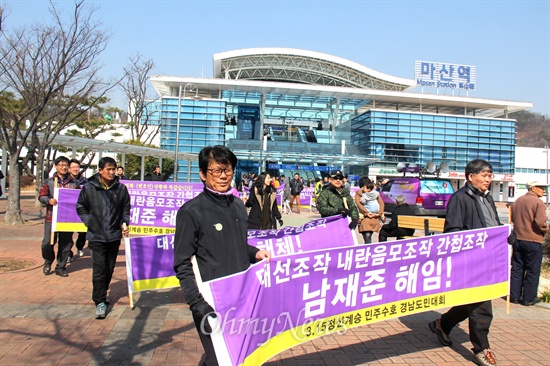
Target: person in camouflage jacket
[{"x": 331, "y": 200}]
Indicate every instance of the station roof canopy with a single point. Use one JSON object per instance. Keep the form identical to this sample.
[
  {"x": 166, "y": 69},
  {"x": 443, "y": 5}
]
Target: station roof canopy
[
  {"x": 303, "y": 67},
  {"x": 310, "y": 76},
  {"x": 72, "y": 142}
]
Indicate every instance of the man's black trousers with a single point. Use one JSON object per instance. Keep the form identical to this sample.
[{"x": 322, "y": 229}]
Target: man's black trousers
[
  {"x": 526, "y": 263},
  {"x": 103, "y": 264},
  {"x": 479, "y": 315}
]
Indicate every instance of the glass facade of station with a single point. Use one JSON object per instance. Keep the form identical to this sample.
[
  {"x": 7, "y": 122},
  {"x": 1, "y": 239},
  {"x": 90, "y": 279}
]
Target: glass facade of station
[
  {"x": 300, "y": 132},
  {"x": 408, "y": 137},
  {"x": 202, "y": 123},
  {"x": 391, "y": 136}
]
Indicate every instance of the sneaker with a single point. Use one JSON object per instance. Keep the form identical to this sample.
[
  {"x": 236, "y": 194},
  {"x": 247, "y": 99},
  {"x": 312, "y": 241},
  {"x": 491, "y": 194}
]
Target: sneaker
[
  {"x": 81, "y": 253},
  {"x": 485, "y": 358},
  {"x": 70, "y": 259},
  {"x": 100, "y": 311},
  {"x": 444, "y": 339}
]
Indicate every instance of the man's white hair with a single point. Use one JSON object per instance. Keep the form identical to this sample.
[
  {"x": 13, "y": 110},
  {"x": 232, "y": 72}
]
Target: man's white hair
[{"x": 400, "y": 199}]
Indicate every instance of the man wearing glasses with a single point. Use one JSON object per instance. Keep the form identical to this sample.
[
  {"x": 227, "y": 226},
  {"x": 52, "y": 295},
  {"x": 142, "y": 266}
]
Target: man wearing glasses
[
  {"x": 335, "y": 199},
  {"x": 64, "y": 240},
  {"x": 529, "y": 218},
  {"x": 212, "y": 227},
  {"x": 471, "y": 207}
]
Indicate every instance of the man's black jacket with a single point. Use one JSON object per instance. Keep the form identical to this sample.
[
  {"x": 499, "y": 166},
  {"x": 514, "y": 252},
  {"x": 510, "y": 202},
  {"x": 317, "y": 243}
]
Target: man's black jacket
[
  {"x": 464, "y": 210},
  {"x": 103, "y": 210}
]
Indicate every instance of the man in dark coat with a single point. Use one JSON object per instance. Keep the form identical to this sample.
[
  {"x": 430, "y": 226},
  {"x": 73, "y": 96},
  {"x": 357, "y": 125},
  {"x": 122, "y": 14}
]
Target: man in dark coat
[
  {"x": 157, "y": 175},
  {"x": 104, "y": 207},
  {"x": 120, "y": 173},
  {"x": 471, "y": 207},
  {"x": 392, "y": 228},
  {"x": 212, "y": 228},
  {"x": 296, "y": 187}
]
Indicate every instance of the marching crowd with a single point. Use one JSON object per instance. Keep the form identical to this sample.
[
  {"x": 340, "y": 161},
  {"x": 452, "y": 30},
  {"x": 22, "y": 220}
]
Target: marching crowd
[{"x": 212, "y": 227}]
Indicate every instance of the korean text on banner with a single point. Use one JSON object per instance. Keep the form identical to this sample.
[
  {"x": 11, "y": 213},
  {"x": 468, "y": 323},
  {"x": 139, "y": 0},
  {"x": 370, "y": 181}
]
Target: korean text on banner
[
  {"x": 302, "y": 296},
  {"x": 150, "y": 258}
]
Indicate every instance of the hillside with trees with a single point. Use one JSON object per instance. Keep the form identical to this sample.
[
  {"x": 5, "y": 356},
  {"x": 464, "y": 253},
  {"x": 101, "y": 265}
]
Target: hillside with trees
[{"x": 532, "y": 129}]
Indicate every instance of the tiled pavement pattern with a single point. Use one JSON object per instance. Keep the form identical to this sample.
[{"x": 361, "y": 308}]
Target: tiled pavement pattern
[{"x": 49, "y": 320}]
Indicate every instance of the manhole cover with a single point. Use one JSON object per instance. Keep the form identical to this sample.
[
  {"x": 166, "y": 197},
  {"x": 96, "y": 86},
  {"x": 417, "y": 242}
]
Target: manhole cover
[{"x": 11, "y": 265}]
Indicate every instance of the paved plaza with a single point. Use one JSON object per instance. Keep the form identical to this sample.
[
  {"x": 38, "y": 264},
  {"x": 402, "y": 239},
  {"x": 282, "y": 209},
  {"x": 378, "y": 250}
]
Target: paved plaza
[{"x": 49, "y": 320}]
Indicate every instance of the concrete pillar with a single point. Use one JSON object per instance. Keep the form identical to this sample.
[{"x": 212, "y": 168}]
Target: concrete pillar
[{"x": 142, "y": 168}]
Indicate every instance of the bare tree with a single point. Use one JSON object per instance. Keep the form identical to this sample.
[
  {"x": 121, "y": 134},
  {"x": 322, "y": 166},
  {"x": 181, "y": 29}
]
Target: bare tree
[
  {"x": 141, "y": 111},
  {"x": 47, "y": 72},
  {"x": 97, "y": 121}
]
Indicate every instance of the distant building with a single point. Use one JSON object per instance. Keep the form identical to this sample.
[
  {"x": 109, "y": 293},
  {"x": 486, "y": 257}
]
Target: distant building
[{"x": 532, "y": 163}]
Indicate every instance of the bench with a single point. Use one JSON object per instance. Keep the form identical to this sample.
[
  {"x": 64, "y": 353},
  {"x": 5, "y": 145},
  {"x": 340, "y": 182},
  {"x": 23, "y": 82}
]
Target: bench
[{"x": 430, "y": 225}]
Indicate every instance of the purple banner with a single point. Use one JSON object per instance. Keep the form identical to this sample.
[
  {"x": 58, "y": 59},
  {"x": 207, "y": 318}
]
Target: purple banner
[
  {"x": 325, "y": 233},
  {"x": 162, "y": 186},
  {"x": 153, "y": 211},
  {"x": 66, "y": 205},
  {"x": 150, "y": 258},
  {"x": 295, "y": 298}
]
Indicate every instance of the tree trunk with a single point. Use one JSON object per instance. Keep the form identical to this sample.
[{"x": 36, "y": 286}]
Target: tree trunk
[
  {"x": 13, "y": 210},
  {"x": 39, "y": 176}
]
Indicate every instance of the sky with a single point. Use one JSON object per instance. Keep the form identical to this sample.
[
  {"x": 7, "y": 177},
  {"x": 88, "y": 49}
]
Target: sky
[{"x": 507, "y": 41}]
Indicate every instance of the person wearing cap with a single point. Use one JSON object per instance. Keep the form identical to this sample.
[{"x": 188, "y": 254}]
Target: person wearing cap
[
  {"x": 335, "y": 199},
  {"x": 529, "y": 218}
]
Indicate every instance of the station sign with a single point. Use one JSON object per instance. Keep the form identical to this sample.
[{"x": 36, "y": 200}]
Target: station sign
[{"x": 444, "y": 75}]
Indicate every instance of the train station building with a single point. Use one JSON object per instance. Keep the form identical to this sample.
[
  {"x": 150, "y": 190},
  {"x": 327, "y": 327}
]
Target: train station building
[{"x": 291, "y": 110}]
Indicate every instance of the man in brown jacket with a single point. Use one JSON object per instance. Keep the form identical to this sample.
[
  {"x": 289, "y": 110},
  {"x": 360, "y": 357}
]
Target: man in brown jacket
[{"x": 529, "y": 218}]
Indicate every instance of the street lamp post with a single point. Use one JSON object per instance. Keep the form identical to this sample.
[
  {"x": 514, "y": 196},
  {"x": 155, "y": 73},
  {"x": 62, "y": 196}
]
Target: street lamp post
[
  {"x": 191, "y": 88},
  {"x": 547, "y": 187},
  {"x": 177, "y": 137}
]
